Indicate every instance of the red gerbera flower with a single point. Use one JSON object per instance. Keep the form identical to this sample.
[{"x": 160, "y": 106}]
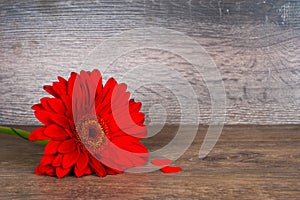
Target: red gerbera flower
[{"x": 92, "y": 128}]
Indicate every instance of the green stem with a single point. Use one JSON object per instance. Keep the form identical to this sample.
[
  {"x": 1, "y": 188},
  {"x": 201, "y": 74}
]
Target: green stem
[{"x": 21, "y": 133}]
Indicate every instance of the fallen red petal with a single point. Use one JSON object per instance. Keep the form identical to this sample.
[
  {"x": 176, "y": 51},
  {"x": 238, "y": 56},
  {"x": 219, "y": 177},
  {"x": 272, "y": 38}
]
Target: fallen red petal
[
  {"x": 171, "y": 169},
  {"x": 161, "y": 162}
]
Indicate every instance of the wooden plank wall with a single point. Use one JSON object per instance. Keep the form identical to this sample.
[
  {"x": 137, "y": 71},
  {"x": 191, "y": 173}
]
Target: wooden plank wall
[{"x": 255, "y": 45}]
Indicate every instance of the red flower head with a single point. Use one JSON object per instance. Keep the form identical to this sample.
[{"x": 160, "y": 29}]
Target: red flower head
[{"x": 92, "y": 128}]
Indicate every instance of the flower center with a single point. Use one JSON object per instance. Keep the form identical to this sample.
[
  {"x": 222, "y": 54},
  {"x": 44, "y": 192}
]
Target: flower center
[{"x": 91, "y": 134}]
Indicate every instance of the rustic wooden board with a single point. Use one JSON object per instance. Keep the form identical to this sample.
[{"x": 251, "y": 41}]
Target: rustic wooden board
[
  {"x": 255, "y": 45},
  {"x": 248, "y": 162}
]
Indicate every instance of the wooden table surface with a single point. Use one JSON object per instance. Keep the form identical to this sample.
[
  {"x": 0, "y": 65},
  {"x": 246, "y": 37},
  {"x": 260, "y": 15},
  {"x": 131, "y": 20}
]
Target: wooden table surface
[{"x": 248, "y": 162}]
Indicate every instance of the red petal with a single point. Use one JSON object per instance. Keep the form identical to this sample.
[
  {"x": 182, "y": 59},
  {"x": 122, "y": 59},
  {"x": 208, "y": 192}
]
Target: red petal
[
  {"x": 42, "y": 117},
  {"x": 96, "y": 77},
  {"x": 134, "y": 106},
  {"x": 55, "y": 132},
  {"x": 90, "y": 81},
  {"x": 130, "y": 144},
  {"x": 171, "y": 169},
  {"x": 38, "y": 170},
  {"x": 61, "y": 172},
  {"x": 123, "y": 154},
  {"x": 129, "y": 122},
  {"x": 56, "y": 105},
  {"x": 57, "y": 161},
  {"x": 136, "y": 131},
  {"x": 51, "y": 91},
  {"x": 51, "y": 147},
  {"x": 48, "y": 118},
  {"x": 37, "y": 107},
  {"x": 59, "y": 88},
  {"x": 112, "y": 171},
  {"x": 69, "y": 132},
  {"x": 47, "y": 159},
  {"x": 50, "y": 171},
  {"x": 45, "y": 104},
  {"x": 67, "y": 146},
  {"x": 60, "y": 120},
  {"x": 44, "y": 169},
  {"x": 139, "y": 131},
  {"x": 70, "y": 159},
  {"x": 83, "y": 95},
  {"x": 108, "y": 90},
  {"x": 82, "y": 161},
  {"x": 114, "y": 98},
  {"x": 161, "y": 162},
  {"x": 82, "y": 172},
  {"x": 62, "y": 80},
  {"x": 97, "y": 167},
  {"x": 38, "y": 134},
  {"x": 120, "y": 97},
  {"x": 115, "y": 159},
  {"x": 138, "y": 117},
  {"x": 99, "y": 84},
  {"x": 71, "y": 83}
]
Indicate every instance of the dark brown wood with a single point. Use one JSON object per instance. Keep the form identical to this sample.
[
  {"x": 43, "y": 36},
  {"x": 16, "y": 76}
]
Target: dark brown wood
[
  {"x": 255, "y": 45},
  {"x": 248, "y": 162}
]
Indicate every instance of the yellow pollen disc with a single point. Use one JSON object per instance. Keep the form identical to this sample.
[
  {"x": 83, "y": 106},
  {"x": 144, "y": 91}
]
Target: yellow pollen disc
[{"x": 91, "y": 134}]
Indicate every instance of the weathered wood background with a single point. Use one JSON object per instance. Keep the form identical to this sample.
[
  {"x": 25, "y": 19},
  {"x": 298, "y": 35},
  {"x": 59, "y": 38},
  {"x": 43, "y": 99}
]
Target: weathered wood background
[{"x": 255, "y": 45}]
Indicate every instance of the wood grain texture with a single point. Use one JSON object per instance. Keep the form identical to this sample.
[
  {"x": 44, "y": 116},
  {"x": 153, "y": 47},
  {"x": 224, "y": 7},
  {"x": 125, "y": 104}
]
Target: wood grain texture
[
  {"x": 254, "y": 44},
  {"x": 248, "y": 162}
]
